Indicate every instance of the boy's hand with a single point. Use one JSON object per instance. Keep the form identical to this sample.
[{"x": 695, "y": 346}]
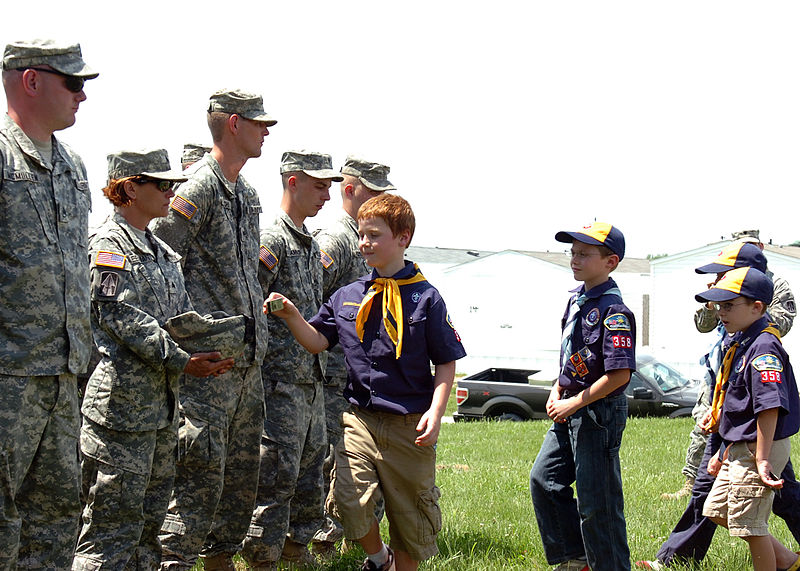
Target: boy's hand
[
  {"x": 429, "y": 425},
  {"x": 707, "y": 423},
  {"x": 714, "y": 464},
  {"x": 284, "y": 313},
  {"x": 559, "y": 410},
  {"x": 769, "y": 479}
]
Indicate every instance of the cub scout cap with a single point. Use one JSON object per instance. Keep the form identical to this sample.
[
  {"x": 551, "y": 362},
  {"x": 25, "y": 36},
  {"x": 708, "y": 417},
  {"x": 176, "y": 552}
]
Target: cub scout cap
[
  {"x": 371, "y": 175},
  {"x": 153, "y": 164},
  {"x": 196, "y": 333},
  {"x": 247, "y": 105},
  {"x": 746, "y": 282},
  {"x": 598, "y": 234},
  {"x": 193, "y": 153},
  {"x": 736, "y": 255},
  {"x": 315, "y": 165},
  {"x": 64, "y": 58}
]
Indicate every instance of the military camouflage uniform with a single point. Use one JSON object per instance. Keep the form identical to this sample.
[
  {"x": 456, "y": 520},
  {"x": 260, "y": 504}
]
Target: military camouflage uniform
[
  {"x": 290, "y": 492},
  {"x": 129, "y": 433},
  {"x": 44, "y": 343},
  {"x": 342, "y": 264},
  {"x": 216, "y": 232}
]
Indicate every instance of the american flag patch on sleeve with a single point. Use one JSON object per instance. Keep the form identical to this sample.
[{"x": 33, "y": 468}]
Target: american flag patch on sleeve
[
  {"x": 111, "y": 259},
  {"x": 325, "y": 259},
  {"x": 267, "y": 257},
  {"x": 184, "y": 207}
]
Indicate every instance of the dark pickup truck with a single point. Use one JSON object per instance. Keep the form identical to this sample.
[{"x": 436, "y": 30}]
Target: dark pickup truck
[{"x": 656, "y": 389}]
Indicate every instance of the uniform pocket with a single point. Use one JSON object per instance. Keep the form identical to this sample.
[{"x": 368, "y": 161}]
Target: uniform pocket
[
  {"x": 200, "y": 435},
  {"x": 430, "y": 514}
]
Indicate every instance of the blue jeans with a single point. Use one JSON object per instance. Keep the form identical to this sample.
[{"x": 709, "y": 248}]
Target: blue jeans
[{"x": 584, "y": 450}]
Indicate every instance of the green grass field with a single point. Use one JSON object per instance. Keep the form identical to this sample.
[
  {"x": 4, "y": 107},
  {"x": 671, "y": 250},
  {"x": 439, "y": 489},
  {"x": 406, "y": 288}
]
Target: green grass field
[{"x": 489, "y": 522}]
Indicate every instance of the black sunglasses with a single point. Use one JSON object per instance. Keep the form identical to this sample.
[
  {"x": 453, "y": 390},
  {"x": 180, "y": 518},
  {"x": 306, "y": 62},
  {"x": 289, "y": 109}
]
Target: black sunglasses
[
  {"x": 162, "y": 185},
  {"x": 72, "y": 82}
]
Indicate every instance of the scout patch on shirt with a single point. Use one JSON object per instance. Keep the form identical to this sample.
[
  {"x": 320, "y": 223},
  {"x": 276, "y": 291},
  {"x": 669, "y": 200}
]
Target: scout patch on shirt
[
  {"x": 183, "y": 207},
  {"x": 593, "y": 317},
  {"x": 449, "y": 322},
  {"x": 415, "y": 297},
  {"x": 769, "y": 366},
  {"x": 267, "y": 257},
  {"x": 325, "y": 259},
  {"x": 740, "y": 365},
  {"x": 622, "y": 341},
  {"x": 110, "y": 259},
  {"x": 577, "y": 360},
  {"x": 109, "y": 284},
  {"x": 617, "y": 322}
]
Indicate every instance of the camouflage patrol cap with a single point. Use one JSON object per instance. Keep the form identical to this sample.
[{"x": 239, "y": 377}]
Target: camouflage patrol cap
[
  {"x": 371, "y": 175},
  {"x": 153, "y": 164},
  {"x": 196, "y": 333},
  {"x": 748, "y": 236},
  {"x": 64, "y": 58},
  {"x": 193, "y": 153},
  {"x": 315, "y": 165},
  {"x": 234, "y": 101}
]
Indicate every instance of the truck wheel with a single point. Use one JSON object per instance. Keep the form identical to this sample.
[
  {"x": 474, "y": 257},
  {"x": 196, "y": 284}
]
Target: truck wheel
[{"x": 512, "y": 416}]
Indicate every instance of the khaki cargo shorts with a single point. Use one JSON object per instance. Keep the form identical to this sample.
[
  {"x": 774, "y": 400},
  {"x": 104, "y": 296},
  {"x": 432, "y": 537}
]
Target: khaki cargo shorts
[
  {"x": 739, "y": 495},
  {"x": 377, "y": 457}
]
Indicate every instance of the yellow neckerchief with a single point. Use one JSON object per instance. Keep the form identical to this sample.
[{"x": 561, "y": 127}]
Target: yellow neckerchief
[
  {"x": 721, "y": 386},
  {"x": 392, "y": 306}
]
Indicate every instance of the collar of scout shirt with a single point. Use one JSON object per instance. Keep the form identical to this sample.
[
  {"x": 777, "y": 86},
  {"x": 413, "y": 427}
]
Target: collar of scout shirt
[
  {"x": 596, "y": 291},
  {"x": 392, "y": 306}
]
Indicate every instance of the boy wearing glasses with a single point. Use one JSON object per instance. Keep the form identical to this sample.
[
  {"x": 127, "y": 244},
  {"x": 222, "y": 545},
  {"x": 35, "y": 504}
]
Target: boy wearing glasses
[
  {"x": 589, "y": 411},
  {"x": 755, "y": 409}
]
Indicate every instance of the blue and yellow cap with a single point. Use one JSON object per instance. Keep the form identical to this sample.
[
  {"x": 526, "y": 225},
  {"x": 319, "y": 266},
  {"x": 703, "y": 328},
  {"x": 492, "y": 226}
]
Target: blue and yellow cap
[
  {"x": 746, "y": 282},
  {"x": 598, "y": 234},
  {"x": 736, "y": 255}
]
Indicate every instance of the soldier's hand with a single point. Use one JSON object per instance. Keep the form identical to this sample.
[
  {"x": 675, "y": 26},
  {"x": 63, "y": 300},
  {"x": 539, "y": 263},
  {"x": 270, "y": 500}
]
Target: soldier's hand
[{"x": 207, "y": 364}]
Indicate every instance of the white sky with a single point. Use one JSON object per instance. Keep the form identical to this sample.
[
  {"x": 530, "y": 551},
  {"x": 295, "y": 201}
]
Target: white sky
[{"x": 502, "y": 121}]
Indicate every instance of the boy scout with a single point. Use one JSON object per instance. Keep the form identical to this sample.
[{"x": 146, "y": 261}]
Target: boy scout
[{"x": 45, "y": 338}]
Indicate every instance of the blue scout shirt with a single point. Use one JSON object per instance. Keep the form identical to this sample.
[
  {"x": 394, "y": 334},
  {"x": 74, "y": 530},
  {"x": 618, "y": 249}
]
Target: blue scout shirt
[
  {"x": 604, "y": 339},
  {"x": 375, "y": 378},
  {"x": 761, "y": 379}
]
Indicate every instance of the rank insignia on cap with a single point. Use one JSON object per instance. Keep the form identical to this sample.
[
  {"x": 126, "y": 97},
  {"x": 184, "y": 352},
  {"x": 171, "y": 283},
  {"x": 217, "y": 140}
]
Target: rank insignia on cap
[
  {"x": 184, "y": 207},
  {"x": 267, "y": 257},
  {"x": 767, "y": 362},
  {"x": 325, "y": 259},
  {"x": 109, "y": 282},
  {"x": 617, "y": 322},
  {"x": 593, "y": 317},
  {"x": 111, "y": 259}
]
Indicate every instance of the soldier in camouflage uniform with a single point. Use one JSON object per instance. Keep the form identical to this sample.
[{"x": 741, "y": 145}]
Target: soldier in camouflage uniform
[
  {"x": 342, "y": 263},
  {"x": 45, "y": 337},
  {"x": 130, "y": 423},
  {"x": 192, "y": 153},
  {"x": 290, "y": 494},
  {"x": 213, "y": 223}
]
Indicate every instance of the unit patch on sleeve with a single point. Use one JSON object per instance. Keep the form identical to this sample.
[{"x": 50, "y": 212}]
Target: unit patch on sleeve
[
  {"x": 110, "y": 259},
  {"x": 325, "y": 259},
  {"x": 453, "y": 327},
  {"x": 109, "y": 283},
  {"x": 183, "y": 207},
  {"x": 617, "y": 322},
  {"x": 267, "y": 257},
  {"x": 770, "y": 368}
]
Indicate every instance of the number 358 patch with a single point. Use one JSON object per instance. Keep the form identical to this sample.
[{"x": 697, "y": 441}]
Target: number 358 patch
[
  {"x": 769, "y": 367},
  {"x": 622, "y": 341}
]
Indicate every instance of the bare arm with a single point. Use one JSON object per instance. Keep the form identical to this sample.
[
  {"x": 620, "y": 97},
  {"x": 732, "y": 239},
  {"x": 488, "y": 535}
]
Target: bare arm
[
  {"x": 559, "y": 410},
  {"x": 766, "y": 421},
  {"x": 313, "y": 341},
  {"x": 431, "y": 421}
]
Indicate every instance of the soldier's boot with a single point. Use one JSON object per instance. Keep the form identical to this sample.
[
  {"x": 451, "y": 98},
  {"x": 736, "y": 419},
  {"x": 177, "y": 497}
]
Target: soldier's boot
[
  {"x": 298, "y": 554},
  {"x": 682, "y": 493},
  {"x": 324, "y": 550},
  {"x": 219, "y": 562}
]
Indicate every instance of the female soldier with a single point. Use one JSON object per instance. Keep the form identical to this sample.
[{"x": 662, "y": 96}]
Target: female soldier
[{"x": 129, "y": 433}]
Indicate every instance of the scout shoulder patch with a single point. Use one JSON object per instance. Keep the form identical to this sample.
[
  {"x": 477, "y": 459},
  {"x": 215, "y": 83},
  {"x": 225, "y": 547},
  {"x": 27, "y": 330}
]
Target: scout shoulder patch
[
  {"x": 617, "y": 322},
  {"x": 267, "y": 257},
  {"x": 325, "y": 259},
  {"x": 184, "y": 207},
  {"x": 767, "y": 362},
  {"x": 110, "y": 259},
  {"x": 453, "y": 327}
]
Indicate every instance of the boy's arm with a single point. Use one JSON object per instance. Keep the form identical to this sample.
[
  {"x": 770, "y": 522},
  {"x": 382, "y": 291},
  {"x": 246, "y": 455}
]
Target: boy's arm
[
  {"x": 766, "y": 421},
  {"x": 559, "y": 410},
  {"x": 314, "y": 341},
  {"x": 431, "y": 421}
]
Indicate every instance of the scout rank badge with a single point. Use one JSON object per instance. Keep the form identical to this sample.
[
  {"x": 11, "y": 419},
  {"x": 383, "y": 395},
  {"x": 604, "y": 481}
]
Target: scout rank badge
[
  {"x": 769, "y": 366},
  {"x": 578, "y": 361}
]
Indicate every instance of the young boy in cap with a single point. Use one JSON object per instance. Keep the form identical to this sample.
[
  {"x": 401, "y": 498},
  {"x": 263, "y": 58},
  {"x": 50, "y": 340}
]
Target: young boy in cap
[
  {"x": 755, "y": 410},
  {"x": 396, "y": 405},
  {"x": 589, "y": 410}
]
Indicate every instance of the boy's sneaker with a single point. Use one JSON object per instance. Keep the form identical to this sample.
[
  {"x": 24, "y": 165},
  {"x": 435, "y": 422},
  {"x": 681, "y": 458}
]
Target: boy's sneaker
[
  {"x": 573, "y": 565},
  {"x": 388, "y": 566},
  {"x": 654, "y": 565},
  {"x": 682, "y": 493}
]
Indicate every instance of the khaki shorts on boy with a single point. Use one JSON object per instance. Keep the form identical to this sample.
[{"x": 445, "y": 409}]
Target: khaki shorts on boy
[
  {"x": 377, "y": 456},
  {"x": 739, "y": 495}
]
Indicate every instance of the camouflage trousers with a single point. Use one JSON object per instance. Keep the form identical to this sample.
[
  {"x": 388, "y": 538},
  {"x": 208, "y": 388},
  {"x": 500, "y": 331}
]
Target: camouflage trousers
[
  {"x": 698, "y": 439},
  {"x": 39, "y": 471},
  {"x": 217, "y": 471},
  {"x": 127, "y": 478},
  {"x": 290, "y": 494}
]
